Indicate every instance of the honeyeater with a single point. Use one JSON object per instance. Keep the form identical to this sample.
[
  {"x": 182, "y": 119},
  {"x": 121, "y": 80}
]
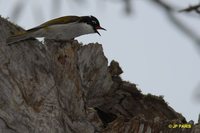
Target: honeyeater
[{"x": 62, "y": 28}]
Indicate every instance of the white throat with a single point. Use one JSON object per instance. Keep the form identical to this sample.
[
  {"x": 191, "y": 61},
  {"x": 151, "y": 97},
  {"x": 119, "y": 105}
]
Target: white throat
[{"x": 86, "y": 28}]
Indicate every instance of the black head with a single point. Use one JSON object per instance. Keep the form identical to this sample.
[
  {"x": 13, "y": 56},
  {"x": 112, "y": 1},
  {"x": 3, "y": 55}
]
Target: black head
[{"x": 91, "y": 20}]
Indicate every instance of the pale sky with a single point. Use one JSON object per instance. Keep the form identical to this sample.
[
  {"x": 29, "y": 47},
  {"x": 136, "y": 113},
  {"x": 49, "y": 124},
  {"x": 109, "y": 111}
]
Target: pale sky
[{"x": 151, "y": 51}]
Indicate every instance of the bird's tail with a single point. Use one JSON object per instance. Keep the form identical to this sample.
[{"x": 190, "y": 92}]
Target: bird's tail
[{"x": 19, "y": 37}]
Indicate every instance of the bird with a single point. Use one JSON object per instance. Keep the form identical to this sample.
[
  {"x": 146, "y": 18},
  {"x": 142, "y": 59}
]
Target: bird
[{"x": 62, "y": 29}]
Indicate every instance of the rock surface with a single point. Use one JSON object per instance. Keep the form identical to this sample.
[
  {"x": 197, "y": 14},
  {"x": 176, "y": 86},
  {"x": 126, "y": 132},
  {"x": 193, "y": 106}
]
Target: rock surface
[{"x": 59, "y": 87}]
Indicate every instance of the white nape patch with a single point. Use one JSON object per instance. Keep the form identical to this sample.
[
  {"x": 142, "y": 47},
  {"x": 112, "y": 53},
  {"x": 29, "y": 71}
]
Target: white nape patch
[{"x": 65, "y": 31}]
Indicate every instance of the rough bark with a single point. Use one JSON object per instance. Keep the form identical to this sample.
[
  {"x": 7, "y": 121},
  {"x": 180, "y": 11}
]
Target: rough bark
[{"x": 60, "y": 87}]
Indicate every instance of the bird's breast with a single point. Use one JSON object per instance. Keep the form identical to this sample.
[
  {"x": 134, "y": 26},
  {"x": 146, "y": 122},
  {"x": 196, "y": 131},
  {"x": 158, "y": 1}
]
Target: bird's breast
[{"x": 65, "y": 31}]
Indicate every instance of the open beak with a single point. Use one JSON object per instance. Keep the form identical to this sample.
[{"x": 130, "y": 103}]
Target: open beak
[{"x": 99, "y": 28}]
